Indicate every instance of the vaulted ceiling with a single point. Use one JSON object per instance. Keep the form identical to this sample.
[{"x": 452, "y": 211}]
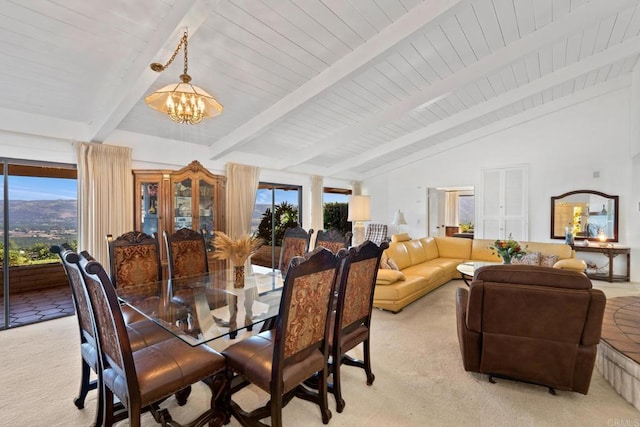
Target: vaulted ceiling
[{"x": 341, "y": 88}]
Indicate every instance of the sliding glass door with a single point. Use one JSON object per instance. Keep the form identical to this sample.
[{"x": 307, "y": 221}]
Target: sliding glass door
[
  {"x": 277, "y": 207},
  {"x": 38, "y": 210}
]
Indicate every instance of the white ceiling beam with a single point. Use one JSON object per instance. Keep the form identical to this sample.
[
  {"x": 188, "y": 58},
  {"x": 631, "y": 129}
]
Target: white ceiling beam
[
  {"x": 500, "y": 125},
  {"x": 184, "y": 14},
  {"x": 567, "y": 25},
  {"x": 614, "y": 54},
  {"x": 39, "y": 125},
  {"x": 414, "y": 20}
]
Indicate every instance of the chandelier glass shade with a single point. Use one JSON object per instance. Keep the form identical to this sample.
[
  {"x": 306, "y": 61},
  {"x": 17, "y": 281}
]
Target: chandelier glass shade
[{"x": 183, "y": 102}]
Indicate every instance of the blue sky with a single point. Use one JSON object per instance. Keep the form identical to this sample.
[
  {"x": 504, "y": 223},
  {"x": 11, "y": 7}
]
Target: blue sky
[
  {"x": 35, "y": 188},
  {"x": 264, "y": 197}
]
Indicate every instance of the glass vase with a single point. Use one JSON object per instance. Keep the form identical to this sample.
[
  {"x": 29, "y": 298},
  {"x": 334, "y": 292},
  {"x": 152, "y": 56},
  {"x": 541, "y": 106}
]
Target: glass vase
[
  {"x": 506, "y": 259},
  {"x": 568, "y": 235}
]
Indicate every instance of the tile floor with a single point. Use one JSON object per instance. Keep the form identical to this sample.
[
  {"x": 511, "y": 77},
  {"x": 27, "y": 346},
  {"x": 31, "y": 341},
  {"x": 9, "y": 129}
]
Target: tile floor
[{"x": 37, "y": 306}]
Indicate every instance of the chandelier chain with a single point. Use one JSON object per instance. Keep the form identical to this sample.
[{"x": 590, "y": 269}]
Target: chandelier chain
[
  {"x": 184, "y": 42},
  {"x": 186, "y": 52}
]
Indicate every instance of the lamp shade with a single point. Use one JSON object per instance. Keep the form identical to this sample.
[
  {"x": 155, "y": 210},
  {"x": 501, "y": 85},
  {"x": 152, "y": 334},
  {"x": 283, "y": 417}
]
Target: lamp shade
[
  {"x": 398, "y": 218},
  {"x": 359, "y": 208}
]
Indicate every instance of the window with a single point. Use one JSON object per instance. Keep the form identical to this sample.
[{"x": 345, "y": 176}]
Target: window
[
  {"x": 336, "y": 209},
  {"x": 277, "y": 207},
  {"x": 466, "y": 209}
]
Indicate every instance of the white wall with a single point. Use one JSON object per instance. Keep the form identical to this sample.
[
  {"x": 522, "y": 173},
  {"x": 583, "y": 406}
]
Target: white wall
[{"x": 562, "y": 150}]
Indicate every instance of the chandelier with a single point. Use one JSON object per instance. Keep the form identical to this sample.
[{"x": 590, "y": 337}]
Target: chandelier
[{"x": 183, "y": 102}]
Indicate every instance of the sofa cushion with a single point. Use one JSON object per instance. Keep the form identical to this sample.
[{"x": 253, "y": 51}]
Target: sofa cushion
[
  {"x": 430, "y": 247},
  {"x": 398, "y": 252},
  {"x": 453, "y": 247},
  {"x": 563, "y": 251},
  {"x": 417, "y": 252},
  {"x": 448, "y": 264},
  {"x": 575, "y": 264},
  {"x": 400, "y": 289},
  {"x": 431, "y": 273},
  {"x": 386, "y": 277},
  {"x": 480, "y": 251},
  {"x": 400, "y": 237}
]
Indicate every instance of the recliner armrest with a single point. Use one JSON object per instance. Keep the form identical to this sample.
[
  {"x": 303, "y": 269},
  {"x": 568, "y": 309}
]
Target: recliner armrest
[{"x": 595, "y": 314}]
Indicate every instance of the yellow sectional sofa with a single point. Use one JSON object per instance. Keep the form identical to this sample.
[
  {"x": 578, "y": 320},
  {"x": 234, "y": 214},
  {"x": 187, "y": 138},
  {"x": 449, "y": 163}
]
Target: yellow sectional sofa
[{"x": 427, "y": 263}]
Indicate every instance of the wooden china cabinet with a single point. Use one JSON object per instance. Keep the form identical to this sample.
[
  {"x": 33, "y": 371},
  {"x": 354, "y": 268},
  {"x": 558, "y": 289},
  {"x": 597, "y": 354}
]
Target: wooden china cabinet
[{"x": 191, "y": 197}]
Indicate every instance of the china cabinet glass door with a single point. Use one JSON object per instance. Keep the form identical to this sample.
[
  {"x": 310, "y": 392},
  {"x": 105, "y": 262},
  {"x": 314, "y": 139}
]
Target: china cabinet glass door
[
  {"x": 206, "y": 210},
  {"x": 182, "y": 203},
  {"x": 149, "y": 207}
]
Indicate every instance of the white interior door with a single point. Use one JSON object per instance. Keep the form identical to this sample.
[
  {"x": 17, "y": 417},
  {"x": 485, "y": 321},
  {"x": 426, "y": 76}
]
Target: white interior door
[
  {"x": 503, "y": 204},
  {"x": 436, "y": 207}
]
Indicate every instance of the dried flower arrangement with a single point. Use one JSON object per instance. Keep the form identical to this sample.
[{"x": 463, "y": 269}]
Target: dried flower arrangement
[{"x": 237, "y": 251}]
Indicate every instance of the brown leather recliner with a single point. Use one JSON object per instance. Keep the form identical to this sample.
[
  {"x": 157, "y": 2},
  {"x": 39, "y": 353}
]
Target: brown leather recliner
[{"x": 530, "y": 323}]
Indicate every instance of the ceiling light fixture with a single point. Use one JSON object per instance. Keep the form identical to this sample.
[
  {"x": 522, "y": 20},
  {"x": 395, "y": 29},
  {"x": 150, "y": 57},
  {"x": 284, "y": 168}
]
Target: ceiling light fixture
[{"x": 183, "y": 102}]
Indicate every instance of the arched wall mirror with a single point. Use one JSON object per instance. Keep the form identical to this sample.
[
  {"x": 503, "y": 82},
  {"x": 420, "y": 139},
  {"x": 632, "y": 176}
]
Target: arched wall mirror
[{"x": 587, "y": 213}]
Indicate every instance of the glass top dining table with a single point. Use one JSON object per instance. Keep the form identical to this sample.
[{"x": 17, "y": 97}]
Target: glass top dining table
[{"x": 202, "y": 308}]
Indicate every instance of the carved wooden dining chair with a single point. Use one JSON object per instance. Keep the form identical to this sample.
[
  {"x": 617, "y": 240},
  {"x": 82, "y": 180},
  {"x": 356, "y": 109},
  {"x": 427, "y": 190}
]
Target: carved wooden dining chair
[
  {"x": 278, "y": 361},
  {"x": 187, "y": 253},
  {"x": 351, "y": 323},
  {"x": 134, "y": 259},
  {"x": 295, "y": 243},
  {"x": 141, "y": 334},
  {"x": 333, "y": 239},
  {"x": 143, "y": 378}
]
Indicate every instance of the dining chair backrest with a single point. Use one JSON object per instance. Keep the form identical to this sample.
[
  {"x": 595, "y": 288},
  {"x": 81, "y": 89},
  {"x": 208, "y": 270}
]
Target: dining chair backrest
[
  {"x": 114, "y": 347},
  {"x": 70, "y": 259},
  {"x": 295, "y": 243},
  {"x": 187, "y": 253},
  {"x": 134, "y": 259},
  {"x": 305, "y": 306},
  {"x": 333, "y": 239},
  {"x": 356, "y": 285},
  {"x": 358, "y": 271},
  {"x": 88, "y": 346}
]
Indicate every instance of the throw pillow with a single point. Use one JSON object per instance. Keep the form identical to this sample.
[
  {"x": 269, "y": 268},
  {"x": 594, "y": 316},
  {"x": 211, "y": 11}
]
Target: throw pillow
[
  {"x": 531, "y": 258},
  {"x": 548, "y": 260},
  {"x": 387, "y": 277},
  {"x": 392, "y": 264},
  {"x": 384, "y": 263}
]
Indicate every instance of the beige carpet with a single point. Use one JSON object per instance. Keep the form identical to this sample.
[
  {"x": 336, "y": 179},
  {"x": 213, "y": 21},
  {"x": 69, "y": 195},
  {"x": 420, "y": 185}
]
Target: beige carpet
[{"x": 419, "y": 380}]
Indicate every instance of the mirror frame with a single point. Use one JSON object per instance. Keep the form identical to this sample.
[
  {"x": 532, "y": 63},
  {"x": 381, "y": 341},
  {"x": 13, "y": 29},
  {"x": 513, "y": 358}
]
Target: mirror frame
[{"x": 616, "y": 204}]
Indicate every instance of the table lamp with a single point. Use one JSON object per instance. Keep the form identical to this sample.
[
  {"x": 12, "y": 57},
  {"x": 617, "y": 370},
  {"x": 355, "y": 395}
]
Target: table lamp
[
  {"x": 602, "y": 238},
  {"x": 398, "y": 220},
  {"x": 358, "y": 211}
]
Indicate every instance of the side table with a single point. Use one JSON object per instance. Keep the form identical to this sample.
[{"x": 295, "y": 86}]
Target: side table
[
  {"x": 610, "y": 252},
  {"x": 468, "y": 269}
]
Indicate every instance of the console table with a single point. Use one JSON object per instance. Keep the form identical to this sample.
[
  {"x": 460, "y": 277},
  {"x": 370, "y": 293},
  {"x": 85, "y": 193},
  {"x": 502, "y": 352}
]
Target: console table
[{"x": 610, "y": 252}]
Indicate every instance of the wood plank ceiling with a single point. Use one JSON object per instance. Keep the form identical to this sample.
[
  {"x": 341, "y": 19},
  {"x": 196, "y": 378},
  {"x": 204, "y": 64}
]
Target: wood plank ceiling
[{"x": 343, "y": 88}]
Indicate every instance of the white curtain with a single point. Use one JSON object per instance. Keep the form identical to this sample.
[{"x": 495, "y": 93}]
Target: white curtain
[
  {"x": 242, "y": 186},
  {"x": 317, "y": 209},
  {"x": 105, "y": 196},
  {"x": 451, "y": 208}
]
